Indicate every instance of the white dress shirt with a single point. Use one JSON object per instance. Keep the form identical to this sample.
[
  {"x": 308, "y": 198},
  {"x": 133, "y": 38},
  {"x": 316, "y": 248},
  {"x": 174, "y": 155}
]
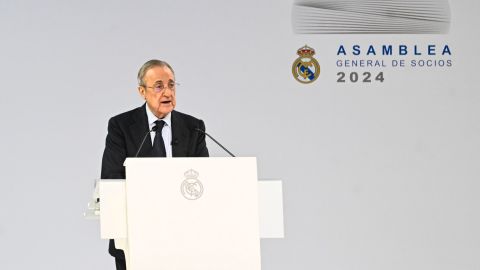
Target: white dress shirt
[{"x": 166, "y": 131}]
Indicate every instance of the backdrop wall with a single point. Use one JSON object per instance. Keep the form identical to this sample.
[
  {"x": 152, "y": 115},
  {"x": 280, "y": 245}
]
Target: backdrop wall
[{"x": 380, "y": 175}]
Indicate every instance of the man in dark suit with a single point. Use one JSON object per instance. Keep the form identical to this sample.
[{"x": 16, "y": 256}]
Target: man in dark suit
[{"x": 175, "y": 133}]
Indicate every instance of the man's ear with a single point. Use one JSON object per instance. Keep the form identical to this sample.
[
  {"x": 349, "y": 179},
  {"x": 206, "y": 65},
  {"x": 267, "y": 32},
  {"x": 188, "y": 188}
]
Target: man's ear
[{"x": 141, "y": 91}]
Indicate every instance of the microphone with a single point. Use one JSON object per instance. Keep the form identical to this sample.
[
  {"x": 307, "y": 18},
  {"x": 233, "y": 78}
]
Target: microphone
[
  {"x": 154, "y": 129},
  {"x": 201, "y": 131}
]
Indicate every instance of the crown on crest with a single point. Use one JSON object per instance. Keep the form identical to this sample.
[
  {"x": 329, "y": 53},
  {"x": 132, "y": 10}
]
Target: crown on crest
[
  {"x": 191, "y": 174},
  {"x": 305, "y": 51}
]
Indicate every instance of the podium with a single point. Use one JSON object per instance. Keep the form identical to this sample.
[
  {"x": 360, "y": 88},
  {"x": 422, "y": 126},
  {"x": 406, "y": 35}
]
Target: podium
[{"x": 190, "y": 213}]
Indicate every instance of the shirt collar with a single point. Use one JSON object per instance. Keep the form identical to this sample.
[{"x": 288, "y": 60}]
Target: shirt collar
[{"x": 152, "y": 118}]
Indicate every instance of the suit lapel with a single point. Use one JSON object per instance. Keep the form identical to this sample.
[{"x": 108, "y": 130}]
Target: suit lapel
[
  {"x": 179, "y": 136},
  {"x": 138, "y": 130}
]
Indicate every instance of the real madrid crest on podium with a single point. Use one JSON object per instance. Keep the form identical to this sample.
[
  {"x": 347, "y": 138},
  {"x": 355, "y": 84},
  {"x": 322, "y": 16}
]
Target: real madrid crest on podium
[
  {"x": 191, "y": 187},
  {"x": 305, "y": 69}
]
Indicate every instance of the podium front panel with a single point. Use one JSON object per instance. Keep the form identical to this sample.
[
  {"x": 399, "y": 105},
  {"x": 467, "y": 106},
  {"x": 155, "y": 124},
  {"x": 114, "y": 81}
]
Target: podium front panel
[{"x": 192, "y": 213}]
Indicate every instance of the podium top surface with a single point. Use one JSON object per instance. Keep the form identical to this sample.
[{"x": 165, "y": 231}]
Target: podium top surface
[{"x": 152, "y": 160}]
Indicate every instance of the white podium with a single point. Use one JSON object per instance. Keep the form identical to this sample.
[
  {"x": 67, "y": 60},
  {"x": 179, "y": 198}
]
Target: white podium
[{"x": 190, "y": 213}]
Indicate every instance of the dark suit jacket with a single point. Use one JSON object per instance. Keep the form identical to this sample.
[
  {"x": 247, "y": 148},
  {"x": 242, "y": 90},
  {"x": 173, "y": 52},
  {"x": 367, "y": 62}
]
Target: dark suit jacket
[{"x": 125, "y": 134}]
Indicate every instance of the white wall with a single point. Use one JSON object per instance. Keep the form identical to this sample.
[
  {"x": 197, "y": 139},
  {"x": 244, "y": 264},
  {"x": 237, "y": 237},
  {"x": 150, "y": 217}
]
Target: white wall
[{"x": 379, "y": 176}]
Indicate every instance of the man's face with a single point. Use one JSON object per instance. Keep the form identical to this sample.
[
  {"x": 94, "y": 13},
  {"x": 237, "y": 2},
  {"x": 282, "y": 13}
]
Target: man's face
[{"x": 160, "y": 102}]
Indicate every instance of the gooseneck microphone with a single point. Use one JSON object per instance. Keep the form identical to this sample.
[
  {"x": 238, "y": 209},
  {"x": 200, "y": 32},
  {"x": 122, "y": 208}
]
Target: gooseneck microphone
[
  {"x": 154, "y": 129},
  {"x": 199, "y": 130}
]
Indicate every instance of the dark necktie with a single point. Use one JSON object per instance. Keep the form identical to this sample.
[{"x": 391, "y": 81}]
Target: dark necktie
[{"x": 158, "y": 145}]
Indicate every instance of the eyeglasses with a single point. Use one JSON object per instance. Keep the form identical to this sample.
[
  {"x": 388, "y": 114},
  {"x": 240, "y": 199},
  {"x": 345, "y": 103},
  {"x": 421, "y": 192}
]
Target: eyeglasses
[{"x": 159, "y": 87}]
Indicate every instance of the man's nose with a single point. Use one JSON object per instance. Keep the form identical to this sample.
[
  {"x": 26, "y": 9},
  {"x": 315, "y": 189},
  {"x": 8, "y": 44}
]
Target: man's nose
[{"x": 167, "y": 92}]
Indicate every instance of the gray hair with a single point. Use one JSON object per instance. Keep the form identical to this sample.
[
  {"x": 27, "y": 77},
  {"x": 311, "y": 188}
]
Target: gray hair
[{"x": 148, "y": 65}]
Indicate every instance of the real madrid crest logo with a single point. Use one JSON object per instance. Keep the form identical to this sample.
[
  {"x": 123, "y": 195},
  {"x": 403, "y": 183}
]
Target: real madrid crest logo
[
  {"x": 191, "y": 187},
  {"x": 305, "y": 69}
]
